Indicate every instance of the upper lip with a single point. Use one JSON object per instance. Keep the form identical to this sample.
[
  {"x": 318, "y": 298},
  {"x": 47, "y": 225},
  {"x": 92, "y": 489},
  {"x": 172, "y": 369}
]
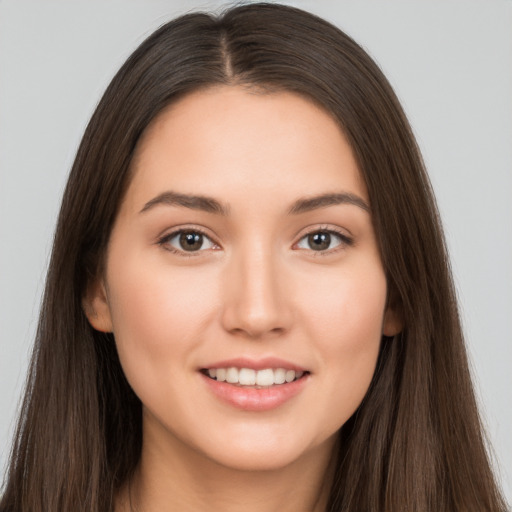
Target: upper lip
[{"x": 255, "y": 364}]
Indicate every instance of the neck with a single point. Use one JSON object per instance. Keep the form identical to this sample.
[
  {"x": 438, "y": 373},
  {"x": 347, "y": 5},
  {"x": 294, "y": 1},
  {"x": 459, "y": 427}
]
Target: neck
[{"x": 185, "y": 480}]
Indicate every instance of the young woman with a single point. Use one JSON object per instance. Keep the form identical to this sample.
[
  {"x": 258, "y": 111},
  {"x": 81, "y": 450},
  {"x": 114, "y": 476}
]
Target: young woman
[{"x": 249, "y": 304}]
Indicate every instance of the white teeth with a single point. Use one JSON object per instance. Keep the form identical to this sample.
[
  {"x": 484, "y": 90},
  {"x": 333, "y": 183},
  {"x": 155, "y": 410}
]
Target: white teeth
[
  {"x": 280, "y": 376},
  {"x": 250, "y": 377},
  {"x": 232, "y": 375},
  {"x": 247, "y": 377},
  {"x": 265, "y": 377},
  {"x": 290, "y": 376}
]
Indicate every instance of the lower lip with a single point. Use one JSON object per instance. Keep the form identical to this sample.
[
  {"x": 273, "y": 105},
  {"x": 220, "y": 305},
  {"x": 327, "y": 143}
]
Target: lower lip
[{"x": 256, "y": 400}]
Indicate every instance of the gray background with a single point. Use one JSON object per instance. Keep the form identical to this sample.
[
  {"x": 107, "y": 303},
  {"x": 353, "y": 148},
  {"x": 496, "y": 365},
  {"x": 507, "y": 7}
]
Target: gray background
[{"x": 450, "y": 63}]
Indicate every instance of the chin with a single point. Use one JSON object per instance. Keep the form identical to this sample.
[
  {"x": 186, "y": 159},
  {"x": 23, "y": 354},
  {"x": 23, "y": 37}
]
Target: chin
[
  {"x": 256, "y": 462},
  {"x": 268, "y": 455}
]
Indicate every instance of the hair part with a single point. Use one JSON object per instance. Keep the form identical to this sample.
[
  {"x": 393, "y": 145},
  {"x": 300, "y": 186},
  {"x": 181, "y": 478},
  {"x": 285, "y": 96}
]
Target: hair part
[{"x": 416, "y": 442}]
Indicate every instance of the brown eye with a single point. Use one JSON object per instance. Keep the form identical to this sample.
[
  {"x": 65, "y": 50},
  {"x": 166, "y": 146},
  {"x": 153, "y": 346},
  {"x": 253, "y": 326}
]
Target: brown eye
[
  {"x": 187, "y": 241},
  {"x": 319, "y": 241},
  {"x": 323, "y": 241},
  {"x": 191, "y": 241}
]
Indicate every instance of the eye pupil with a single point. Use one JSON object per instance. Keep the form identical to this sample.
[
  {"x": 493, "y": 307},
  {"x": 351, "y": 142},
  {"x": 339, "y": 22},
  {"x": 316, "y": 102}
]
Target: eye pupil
[
  {"x": 319, "y": 241},
  {"x": 191, "y": 241}
]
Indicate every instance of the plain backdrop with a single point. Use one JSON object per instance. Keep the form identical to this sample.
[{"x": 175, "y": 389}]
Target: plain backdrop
[{"x": 450, "y": 63}]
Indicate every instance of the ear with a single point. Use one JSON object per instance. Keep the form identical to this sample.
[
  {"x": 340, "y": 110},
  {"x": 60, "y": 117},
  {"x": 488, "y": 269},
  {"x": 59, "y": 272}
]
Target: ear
[
  {"x": 392, "y": 323},
  {"x": 96, "y": 306}
]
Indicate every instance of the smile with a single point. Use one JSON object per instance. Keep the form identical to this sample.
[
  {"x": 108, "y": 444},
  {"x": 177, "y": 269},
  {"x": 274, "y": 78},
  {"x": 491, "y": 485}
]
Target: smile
[
  {"x": 249, "y": 377},
  {"x": 256, "y": 386}
]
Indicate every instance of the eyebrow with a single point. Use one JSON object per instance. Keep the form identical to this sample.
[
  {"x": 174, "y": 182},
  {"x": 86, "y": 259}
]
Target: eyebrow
[
  {"x": 194, "y": 202},
  {"x": 324, "y": 200},
  {"x": 210, "y": 205}
]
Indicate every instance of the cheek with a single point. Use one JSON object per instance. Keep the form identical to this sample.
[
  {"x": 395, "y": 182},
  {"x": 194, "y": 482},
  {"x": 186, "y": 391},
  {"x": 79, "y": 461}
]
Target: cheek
[
  {"x": 158, "y": 315},
  {"x": 345, "y": 315},
  {"x": 346, "y": 307}
]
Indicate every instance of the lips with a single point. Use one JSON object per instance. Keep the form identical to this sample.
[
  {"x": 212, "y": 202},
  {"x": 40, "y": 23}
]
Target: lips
[{"x": 255, "y": 385}]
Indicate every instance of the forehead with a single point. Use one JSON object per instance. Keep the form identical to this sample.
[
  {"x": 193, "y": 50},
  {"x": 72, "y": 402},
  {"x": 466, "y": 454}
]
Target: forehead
[{"x": 226, "y": 140}]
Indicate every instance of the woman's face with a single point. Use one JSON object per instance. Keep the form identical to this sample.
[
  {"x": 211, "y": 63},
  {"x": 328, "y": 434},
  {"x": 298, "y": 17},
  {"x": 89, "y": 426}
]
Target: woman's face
[{"x": 243, "y": 256}]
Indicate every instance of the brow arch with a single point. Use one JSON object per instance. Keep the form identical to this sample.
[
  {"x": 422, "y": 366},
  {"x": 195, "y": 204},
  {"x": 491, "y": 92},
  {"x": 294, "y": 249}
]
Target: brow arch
[
  {"x": 307, "y": 204},
  {"x": 192, "y": 201}
]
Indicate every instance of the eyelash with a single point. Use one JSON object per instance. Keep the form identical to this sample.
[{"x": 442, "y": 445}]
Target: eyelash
[
  {"x": 345, "y": 241},
  {"x": 164, "y": 241}
]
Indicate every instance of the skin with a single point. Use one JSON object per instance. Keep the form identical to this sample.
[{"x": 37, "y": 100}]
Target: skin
[{"x": 255, "y": 289}]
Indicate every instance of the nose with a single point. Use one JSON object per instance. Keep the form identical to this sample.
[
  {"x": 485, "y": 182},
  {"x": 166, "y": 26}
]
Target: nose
[{"x": 256, "y": 304}]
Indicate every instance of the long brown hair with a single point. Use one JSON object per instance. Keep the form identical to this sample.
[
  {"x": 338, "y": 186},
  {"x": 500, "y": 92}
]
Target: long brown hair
[{"x": 415, "y": 444}]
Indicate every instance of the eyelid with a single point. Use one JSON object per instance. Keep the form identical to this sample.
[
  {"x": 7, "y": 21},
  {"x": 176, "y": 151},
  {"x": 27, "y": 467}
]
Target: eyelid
[
  {"x": 168, "y": 235},
  {"x": 346, "y": 239}
]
